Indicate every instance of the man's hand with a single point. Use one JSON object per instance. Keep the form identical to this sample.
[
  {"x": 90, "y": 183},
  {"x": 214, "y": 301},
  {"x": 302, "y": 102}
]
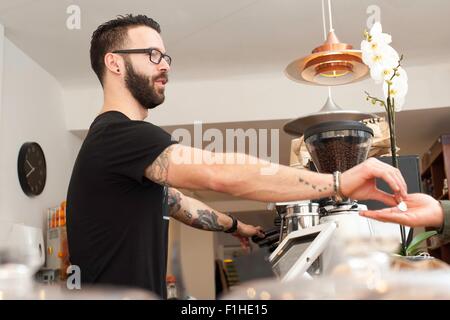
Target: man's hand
[
  {"x": 246, "y": 230},
  {"x": 359, "y": 182},
  {"x": 423, "y": 211}
]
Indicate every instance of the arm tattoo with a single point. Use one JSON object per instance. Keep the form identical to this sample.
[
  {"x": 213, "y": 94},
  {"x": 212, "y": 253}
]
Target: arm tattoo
[
  {"x": 188, "y": 214},
  {"x": 320, "y": 189},
  {"x": 179, "y": 208},
  {"x": 174, "y": 202},
  {"x": 158, "y": 170},
  {"x": 207, "y": 220}
]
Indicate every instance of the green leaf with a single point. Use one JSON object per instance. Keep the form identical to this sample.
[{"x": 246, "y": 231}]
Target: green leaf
[{"x": 411, "y": 249}]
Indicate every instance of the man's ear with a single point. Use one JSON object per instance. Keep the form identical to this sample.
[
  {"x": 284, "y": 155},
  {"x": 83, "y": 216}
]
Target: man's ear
[{"x": 114, "y": 63}]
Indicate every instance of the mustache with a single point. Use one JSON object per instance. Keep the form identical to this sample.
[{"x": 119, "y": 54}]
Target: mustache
[{"x": 162, "y": 77}]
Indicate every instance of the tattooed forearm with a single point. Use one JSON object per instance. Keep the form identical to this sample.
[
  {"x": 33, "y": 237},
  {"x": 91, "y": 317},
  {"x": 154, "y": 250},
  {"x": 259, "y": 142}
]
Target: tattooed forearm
[
  {"x": 159, "y": 169},
  {"x": 174, "y": 202},
  {"x": 207, "y": 220},
  {"x": 315, "y": 187},
  {"x": 194, "y": 213}
]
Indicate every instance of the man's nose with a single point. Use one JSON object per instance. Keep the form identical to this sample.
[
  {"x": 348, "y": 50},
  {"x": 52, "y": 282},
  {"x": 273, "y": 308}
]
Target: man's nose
[{"x": 163, "y": 66}]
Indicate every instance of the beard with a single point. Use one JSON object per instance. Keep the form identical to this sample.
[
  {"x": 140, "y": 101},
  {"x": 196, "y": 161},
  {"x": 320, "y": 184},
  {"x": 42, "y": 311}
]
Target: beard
[{"x": 142, "y": 87}]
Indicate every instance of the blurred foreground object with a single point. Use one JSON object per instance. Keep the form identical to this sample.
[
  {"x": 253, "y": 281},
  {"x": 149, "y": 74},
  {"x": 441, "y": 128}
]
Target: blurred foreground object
[{"x": 414, "y": 285}]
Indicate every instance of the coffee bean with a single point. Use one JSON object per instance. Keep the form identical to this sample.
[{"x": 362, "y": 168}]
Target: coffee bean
[{"x": 337, "y": 153}]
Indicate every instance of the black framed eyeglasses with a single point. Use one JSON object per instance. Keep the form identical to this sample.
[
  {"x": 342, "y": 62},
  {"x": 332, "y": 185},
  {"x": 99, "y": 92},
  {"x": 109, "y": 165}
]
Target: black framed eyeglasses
[{"x": 154, "y": 54}]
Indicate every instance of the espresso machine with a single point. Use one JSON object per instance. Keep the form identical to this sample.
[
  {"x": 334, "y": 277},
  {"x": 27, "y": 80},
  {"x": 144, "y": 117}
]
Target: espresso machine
[{"x": 308, "y": 228}]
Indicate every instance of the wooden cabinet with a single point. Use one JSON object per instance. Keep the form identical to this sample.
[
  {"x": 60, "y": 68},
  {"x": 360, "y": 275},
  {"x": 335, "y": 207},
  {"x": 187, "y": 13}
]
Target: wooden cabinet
[
  {"x": 435, "y": 174},
  {"x": 436, "y": 168}
]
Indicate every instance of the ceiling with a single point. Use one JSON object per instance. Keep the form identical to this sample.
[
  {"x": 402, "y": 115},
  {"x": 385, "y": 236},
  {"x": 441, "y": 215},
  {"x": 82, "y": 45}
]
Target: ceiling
[{"x": 216, "y": 38}]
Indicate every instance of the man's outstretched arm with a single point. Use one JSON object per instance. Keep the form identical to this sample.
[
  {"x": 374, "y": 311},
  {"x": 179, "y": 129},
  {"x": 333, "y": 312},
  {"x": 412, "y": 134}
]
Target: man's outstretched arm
[
  {"x": 254, "y": 179},
  {"x": 198, "y": 215}
]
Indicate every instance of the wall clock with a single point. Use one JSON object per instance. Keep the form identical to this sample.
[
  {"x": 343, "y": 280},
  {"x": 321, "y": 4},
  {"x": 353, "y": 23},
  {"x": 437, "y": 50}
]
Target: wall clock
[{"x": 32, "y": 169}]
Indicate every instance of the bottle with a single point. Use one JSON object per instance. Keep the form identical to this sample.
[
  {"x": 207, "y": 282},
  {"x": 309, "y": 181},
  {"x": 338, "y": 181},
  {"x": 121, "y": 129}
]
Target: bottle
[
  {"x": 53, "y": 223},
  {"x": 64, "y": 248},
  {"x": 62, "y": 215},
  {"x": 49, "y": 218},
  {"x": 57, "y": 217},
  {"x": 171, "y": 288}
]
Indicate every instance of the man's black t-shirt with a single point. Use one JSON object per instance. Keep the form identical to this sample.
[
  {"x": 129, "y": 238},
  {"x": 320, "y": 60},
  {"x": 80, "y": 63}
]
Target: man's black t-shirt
[{"x": 117, "y": 233}]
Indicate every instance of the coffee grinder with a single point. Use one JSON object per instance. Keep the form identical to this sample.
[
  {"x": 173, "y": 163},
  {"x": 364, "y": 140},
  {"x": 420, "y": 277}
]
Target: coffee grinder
[
  {"x": 306, "y": 252},
  {"x": 338, "y": 146}
]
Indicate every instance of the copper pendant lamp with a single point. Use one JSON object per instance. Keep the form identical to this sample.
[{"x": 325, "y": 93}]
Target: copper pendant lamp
[{"x": 333, "y": 63}]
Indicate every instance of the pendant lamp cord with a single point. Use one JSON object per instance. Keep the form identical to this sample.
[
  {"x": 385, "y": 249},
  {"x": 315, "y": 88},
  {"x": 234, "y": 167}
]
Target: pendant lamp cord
[
  {"x": 330, "y": 16},
  {"x": 330, "y": 19},
  {"x": 323, "y": 21},
  {"x": 325, "y": 29}
]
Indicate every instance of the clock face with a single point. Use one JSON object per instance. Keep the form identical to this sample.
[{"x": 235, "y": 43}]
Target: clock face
[{"x": 32, "y": 169}]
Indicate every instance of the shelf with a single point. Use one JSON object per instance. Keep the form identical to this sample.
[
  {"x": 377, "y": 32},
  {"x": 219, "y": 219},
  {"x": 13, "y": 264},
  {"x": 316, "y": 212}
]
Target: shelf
[
  {"x": 435, "y": 170},
  {"x": 434, "y": 152}
]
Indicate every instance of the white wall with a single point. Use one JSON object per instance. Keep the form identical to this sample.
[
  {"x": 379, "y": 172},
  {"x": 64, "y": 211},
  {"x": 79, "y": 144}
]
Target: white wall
[
  {"x": 261, "y": 97},
  {"x": 2, "y": 38},
  {"x": 196, "y": 259},
  {"x": 31, "y": 110}
]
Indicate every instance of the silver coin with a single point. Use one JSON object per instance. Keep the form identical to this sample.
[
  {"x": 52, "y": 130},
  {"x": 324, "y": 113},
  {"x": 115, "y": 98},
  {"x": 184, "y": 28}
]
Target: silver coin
[{"x": 402, "y": 206}]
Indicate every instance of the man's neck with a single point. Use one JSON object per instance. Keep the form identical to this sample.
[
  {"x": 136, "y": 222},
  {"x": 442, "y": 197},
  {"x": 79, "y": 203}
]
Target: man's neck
[{"x": 124, "y": 103}]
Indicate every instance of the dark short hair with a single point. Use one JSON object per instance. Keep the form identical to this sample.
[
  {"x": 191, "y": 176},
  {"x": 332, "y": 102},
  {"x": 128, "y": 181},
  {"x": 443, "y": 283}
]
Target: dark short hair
[{"x": 112, "y": 35}]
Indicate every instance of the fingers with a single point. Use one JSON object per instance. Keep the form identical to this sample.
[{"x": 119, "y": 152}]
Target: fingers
[
  {"x": 260, "y": 232},
  {"x": 418, "y": 200},
  {"x": 400, "y": 179},
  {"x": 384, "y": 197},
  {"x": 401, "y": 182},
  {"x": 249, "y": 231},
  {"x": 388, "y": 178},
  {"x": 399, "y": 193},
  {"x": 392, "y": 176},
  {"x": 392, "y": 215}
]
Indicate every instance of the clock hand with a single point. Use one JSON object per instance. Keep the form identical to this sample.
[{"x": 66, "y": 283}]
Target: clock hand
[
  {"x": 29, "y": 164},
  {"x": 30, "y": 172}
]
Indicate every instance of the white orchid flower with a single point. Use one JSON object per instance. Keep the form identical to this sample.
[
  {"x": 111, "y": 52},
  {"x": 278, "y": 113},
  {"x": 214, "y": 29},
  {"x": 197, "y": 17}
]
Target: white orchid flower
[
  {"x": 380, "y": 73},
  {"x": 383, "y": 60},
  {"x": 376, "y": 43},
  {"x": 398, "y": 88},
  {"x": 366, "y": 50},
  {"x": 378, "y": 37}
]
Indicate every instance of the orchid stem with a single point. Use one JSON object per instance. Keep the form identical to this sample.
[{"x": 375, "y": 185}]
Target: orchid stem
[{"x": 391, "y": 120}]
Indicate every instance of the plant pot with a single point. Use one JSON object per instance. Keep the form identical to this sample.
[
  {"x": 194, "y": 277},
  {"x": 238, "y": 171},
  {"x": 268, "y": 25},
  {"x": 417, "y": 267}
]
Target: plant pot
[{"x": 419, "y": 262}]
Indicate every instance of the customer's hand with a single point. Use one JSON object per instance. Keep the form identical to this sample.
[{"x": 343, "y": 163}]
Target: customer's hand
[
  {"x": 246, "y": 230},
  {"x": 423, "y": 211},
  {"x": 359, "y": 182}
]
